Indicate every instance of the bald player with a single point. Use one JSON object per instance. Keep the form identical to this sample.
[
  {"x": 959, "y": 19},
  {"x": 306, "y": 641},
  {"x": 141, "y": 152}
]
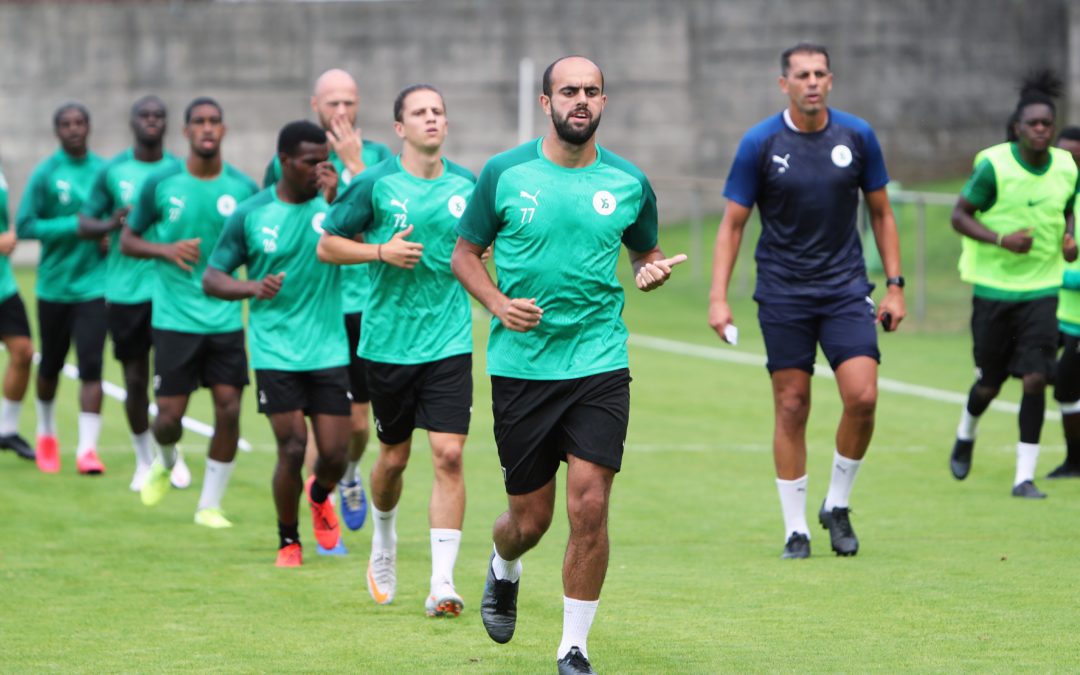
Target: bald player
[{"x": 336, "y": 101}]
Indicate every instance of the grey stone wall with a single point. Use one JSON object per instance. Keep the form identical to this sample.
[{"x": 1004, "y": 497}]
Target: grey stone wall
[{"x": 936, "y": 78}]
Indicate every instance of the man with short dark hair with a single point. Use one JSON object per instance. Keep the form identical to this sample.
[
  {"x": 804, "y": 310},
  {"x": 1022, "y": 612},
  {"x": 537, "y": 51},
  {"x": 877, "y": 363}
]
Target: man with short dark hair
[
  {"x": 416, "y": 340},
  {"x": 70, "y": 286},
  {"x": 558, "y": 209},
  {"x": 1067, "y": 376},
  {"x": 15, "y": 332},
  {"x": 198, "y": 340},
  {"x": 298, "y": 344},
  {"x": 804, "y": 168},
  {"x": 127, "y": 295},
  {"x": 336, "y": 101}
]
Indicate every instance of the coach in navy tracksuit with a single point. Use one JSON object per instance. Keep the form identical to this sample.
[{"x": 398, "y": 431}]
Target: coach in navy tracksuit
[{"x": 804, "y": 168}]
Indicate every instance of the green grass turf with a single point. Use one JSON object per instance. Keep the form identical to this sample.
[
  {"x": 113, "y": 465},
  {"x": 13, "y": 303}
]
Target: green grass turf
[{"x": 950, "y": 577}]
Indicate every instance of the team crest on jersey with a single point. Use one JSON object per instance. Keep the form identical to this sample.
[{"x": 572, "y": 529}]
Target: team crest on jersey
[
  {"x": 456, "y": 206},
  {"x": 63, "y": 191},
  {"x": 226, "y": 204},
  {"x": 317, "y": 221},
  {"x": 127, "y": 191},
  {"x": 604, "y": 203},
  {"x": 841, "y": 156}
]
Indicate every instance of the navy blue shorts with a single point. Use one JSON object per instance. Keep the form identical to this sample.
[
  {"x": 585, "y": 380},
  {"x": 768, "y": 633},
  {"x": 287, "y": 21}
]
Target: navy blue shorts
[{"x": 845, "y": 327}]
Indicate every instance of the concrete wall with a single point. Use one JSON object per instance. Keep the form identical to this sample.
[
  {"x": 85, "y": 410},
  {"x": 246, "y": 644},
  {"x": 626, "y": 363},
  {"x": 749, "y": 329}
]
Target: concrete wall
[{"x": 937, "y": 78}]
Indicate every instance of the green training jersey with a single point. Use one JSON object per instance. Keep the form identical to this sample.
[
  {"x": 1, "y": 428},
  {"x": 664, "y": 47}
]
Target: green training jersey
[
  {"x": 7, "y": 279},
  {"x": 175, "y": 205},
  {"x": 355, "y": 284},
  {"x": 117, "y": 186},
  {"x": 1011, "y": 195},
  {"x": 418, "y": 315},
  {"x": 557, "y": 234},
  {"x": 300, "y": 328},
  {"x": 71, "y": 269}
]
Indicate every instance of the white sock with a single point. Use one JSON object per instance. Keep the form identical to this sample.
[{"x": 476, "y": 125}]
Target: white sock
[
  {"x": 1027, "y": 454},
  {"x": 168, "y": 455},
  {"x": 215, "y": 480},
  {"x": 444, "y": 549},
  {"x": 9, "y": 417},
  {"x": 506, "y": 570},
  {"x": 89, "y": 432},
  {"x": 577, "y": 620},
  {"x": 844, "y": 471},
  {"x": 144, "y": 451},
  {"x": 384, "y": 532},
  {"x": 350, "y": 472},
  {"x": 46, "y": 417},
  {"x": 965, "y": 431},
  {"x": 793, "y": 504}
]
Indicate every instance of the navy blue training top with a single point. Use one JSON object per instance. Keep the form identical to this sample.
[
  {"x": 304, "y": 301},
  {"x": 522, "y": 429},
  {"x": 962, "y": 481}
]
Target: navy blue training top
[{"x": 806, "y": 186}]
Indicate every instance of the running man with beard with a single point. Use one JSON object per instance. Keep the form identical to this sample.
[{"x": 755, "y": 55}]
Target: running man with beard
[
  {"x": 558, "y": 210},
  {"x": 198, "y": 340}
]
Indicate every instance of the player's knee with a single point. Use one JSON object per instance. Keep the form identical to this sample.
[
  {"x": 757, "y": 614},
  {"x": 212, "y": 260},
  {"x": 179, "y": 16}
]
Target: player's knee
[
  {"x": 167, "y": 430},
  {"x": 21, "y": 354},
  {"x": 862, "y": 403},
  {"x": 227, "y": 410},
  {"x": 360, "y": 426},
  {"x": 291, "y": 452},
  {"x": 1034, "y": 383},
  {"x": 793, "y": 406},
  {"x": 532, "y": 528},
  {"x": 447, "y": 458},
  {"x": 394, "y": 458},
  {"x": 587, "y": 511}
]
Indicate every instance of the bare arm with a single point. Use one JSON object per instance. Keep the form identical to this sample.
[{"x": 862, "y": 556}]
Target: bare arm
[
  {"x": 963, "y": 221},
  {"x": 184, "y": 253},
  {"x": 517, "y": 314},
  {"x": 883, "y": 223},
  {"x": 220, "y": 285},
  {"x": 92, "y": 228},
  {"x": 1068, "y": 243},
  {"x": 651, "y": 268},
  {"x": 344, "y": 251},
  {"x": 728, "y": 238}
]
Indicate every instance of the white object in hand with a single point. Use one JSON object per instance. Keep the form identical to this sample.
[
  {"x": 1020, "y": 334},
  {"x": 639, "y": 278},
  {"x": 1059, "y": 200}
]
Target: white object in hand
[{"x": 731, "y": 334}]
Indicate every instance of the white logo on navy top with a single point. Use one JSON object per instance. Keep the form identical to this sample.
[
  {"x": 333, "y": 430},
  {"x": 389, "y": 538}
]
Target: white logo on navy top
[
  {"x": 782, "y": 161},
  {"x": 604, "y": 203},
  {"x": 841, "y": 156},
  {"x": 226, "y": 204},
  {"x": 317, "y": 221},
  {"x": 456, "y": 206}
]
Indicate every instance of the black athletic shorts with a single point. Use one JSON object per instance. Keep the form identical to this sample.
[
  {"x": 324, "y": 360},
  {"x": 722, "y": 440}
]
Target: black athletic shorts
[
  {"x": 436, "y": 396},
  {"x": 183, "y": 361},
  {"x": 1014, "y": 338},
  {"x": 59, "y": 323},
  {"x": 844, "y": 326},
  {"x": 1067, "y": 377},
  {"x": 129, "y": 327},
  {"x": 315, "y": 392},
  {"x": 357, "y": 372},
  {"x": 539, "y": 422},
  {"x": 13, "y": 321}
]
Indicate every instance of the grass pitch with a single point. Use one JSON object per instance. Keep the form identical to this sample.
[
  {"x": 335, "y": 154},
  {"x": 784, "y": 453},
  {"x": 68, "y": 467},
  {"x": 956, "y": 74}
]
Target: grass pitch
[{"x": 950, "y": 576}]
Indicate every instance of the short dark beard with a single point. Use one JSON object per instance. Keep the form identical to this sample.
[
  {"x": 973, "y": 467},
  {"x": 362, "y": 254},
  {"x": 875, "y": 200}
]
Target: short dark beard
[{"x": 568, "y": 134}]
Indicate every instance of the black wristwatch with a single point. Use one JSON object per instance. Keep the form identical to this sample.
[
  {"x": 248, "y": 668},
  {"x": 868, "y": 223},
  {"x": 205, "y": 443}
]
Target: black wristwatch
[{"x": 895, "y": 281}]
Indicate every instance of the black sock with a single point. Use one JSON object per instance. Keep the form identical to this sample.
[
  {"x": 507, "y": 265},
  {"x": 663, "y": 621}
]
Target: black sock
[
  {"x": 288, "y": 534},
  {"x": 976, "y": 404},
  {"x": 1032, "y": 410},
  {"x": 1072, "y": 453},
  {"x": 319, "y": 493}
]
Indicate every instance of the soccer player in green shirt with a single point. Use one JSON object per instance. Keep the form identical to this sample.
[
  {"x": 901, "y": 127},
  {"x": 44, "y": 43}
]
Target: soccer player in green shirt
[
  {"x": 417, "y": 333},
  {"x": 198, "y": 340},
  {"x": 70, "y": 286},
  {"x": 1016, "y": 216},
  {"x": 15, "y": 332},
  {"x": 558, "y": 210},
  {"x": 336, "y": 100},
  {"x": 298, "y": 343},
  {"x": 127, "y": 293},
  {"x": 1067, "y": 377}
]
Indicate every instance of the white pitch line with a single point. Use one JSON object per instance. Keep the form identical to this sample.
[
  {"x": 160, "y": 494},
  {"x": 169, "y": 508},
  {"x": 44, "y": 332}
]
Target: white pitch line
[{"x": 886, "y": 384}]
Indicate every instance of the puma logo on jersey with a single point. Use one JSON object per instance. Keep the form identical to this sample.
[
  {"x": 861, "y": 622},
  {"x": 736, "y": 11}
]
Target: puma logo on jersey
[
  {"x": 177, "y": 202},
  {"x": 270, "y": 245},
  {"x": 401, "y": 205},
  {"x": 127, "y": 191},
  {"x": 64, "y": 188},
  {"x": 531, "y": 197},
  {"x": 272, "y": 232},
  {"x": 176, "y": 210},
  {"x": 782, "y": 161}
]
